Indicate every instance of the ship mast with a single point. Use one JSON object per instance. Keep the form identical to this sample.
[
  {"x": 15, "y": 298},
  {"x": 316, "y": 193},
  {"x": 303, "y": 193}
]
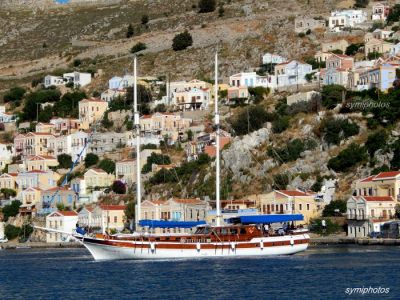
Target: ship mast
[
  {"x": 216, "y": 120},
  {"x": 137, "y": 130}
]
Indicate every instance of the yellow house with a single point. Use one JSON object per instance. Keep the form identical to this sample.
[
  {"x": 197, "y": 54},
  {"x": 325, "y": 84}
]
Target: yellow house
[
  {"x": 378, "y": 46},
  {"x": 382, "y": 184},
  {"x": 34, "y": 143},
  {"x": 95, "y": 177},
  {"x": 41, "y": 162},
  {"x": 91, "y": 110},
  {"x": 45, "y": 128},
  {"x": 109, "y": 217},
  {"x": 31, "y": 196},
  {"x": 8, "y": 181},
  {"x": 291, "y": 202}
]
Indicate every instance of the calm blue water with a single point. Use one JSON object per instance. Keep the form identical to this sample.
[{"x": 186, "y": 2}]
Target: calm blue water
[{"x": 320, "y": 273}]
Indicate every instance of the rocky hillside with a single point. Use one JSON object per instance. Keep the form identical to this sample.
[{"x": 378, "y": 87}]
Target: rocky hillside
[{"x": 34, "y": 42}]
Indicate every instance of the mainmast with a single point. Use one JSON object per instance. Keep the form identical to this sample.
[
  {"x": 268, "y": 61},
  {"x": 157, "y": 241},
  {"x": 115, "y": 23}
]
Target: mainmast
[
  {"x": 216, "y": 120},
  {"x": 137, "y": 129}
]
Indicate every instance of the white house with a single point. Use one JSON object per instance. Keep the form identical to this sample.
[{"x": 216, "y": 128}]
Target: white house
[
  {"x": 382, "y": 34},
  {"x": 291, "y": 73},
  {"x": 51, "y": 80},
  {"x": 6, "y": 117},
  {"x": 109, "y": 95},
  {"x": 270, "y": 58},
  {"x": 192, "y": 99},
  {"x": 118, "y": 83},
  {"x": 61, "y": 220},
  {"x": 380, "y": 11},
  {"x": 6, "y": 154},
  {"x": 78, "y": 79},
  {"x": 396, "y": 49},
  {"x": 363, "y": 212},
  {"x": 346, "y": 18},
  {"x": 251, "y": 79}
]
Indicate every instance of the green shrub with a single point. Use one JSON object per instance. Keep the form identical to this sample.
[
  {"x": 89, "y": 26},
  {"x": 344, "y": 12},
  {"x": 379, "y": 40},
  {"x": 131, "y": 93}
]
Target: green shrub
[
  {"x": 281, "y": 180},
  {"x": 374, "y": 55},
  {"x": 155, "y": 158},
  {"x": 64, "y": 161},
  {"x": 258, "y": 93},
  {"x": 91, "y": 159},
  {"x": 107, "y": 165},
  {"x": 336, "y": 130},
  {"x": 15, "y": 94},
  {"x": 331, "y": 227},
  {"x": 250, "y": 119},
  {"x": 206, "y": 6},
  {"x": 280, "y": 124},
  {"x": 138, "y": 47},
  {"x": 181, "y": 41},
  {"x": 11, "y": 210},
  {"x": 376, "y": 141},
  {"x": 292, "y": 150},
  {"x": 11, "y": 231},
  {"x": 348, "y": 158},
  {"x": 130, "y": 31},
  {"x": 331, "y": 95},
  {"x": 145, "y": 19},
  {"x": 329, "y": 210}
]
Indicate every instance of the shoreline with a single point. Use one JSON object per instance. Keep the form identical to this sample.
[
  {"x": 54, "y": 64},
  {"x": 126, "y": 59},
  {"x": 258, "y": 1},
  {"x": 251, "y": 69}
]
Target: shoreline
[{"x": 314, "y": 241}]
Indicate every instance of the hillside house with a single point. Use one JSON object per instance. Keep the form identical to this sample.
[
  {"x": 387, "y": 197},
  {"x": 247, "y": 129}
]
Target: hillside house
[
  {"x": 40, "y": 162},
  {"x": 97, "y": 178},
  {"x": 337, "y": 69},
  {"x": 91, "y": 110},
  {"x": 380, "y": 11},
  {"x": 271, "y": 58},
  {"x": 380, "y": 77},
  {"x": 292, "y": 73},
  {"x": 339, "y": 20},
  {"x": 6, "y": 154},
  {"x": 251, "y": 79},
  {"x": 109, "y": 217},
  {"x": 8, "y": 181},
  {"x": 329, "y": 46},
  {"x": 378, "y": 46},
  {"x": 58, "y": 196},
  {"x": 303, "y": 24}
]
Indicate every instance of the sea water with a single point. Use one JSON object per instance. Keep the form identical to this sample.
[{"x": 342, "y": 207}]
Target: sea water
[{"x": 323, "y": 272}]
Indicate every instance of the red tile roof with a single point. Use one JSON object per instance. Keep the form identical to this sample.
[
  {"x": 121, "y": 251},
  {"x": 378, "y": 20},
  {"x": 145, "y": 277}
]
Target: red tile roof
[
  {"x": 378, "y": 198},
  {"x": 386, "y": 175},
  {"x": 112, "y": 207},
  {"x": 188, "y": 201},
  {"x": 293, "y": 193},
  {"x": 368, "y": 179},
  {"x": 92, "y": 100},
  {"x": 68, "y": 213}
]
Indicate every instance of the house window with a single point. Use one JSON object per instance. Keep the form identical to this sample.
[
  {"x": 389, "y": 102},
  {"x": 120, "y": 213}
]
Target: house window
[
  {"x": 300, "y": 206},
  {"x": 308, "y": 206},
  {"x": 115, "y": 219}
]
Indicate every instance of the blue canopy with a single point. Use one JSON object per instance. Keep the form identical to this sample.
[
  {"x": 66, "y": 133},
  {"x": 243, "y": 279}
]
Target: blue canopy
[
  {"x": 258, "y": 219},
  {"x": 169, "y": 224}
]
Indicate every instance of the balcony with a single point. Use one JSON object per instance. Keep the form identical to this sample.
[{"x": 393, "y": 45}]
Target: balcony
[{"x": 358, "y": 217}]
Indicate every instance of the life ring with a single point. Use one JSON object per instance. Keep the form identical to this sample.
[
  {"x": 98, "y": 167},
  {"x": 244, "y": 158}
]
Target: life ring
[{"x": 198, "y": 247}]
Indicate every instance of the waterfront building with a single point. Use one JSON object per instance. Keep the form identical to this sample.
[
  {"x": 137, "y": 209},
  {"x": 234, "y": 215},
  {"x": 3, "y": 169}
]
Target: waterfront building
[
  {"x": 290, "y": 202},
  {"x": 109, "y": 217},
  {"x": 63, "y": 221}
]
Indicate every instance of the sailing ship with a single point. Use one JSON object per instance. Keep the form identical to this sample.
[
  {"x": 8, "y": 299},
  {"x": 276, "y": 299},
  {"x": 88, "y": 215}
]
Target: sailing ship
[{"x": 243, "y": 236}]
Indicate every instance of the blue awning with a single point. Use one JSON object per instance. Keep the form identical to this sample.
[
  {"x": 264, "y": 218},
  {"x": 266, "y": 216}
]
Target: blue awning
[
  {"x": 170, "y": 224},
  {"x": 258, "y": 219}
]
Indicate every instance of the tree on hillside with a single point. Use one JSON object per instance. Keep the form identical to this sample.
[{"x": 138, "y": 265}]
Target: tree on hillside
[
  {"x": 64, "y": 161},
  {"x": 107, "y": 165},
  {"x": 129, "y": 31},
  {"x": 206, "y": 6},
  {"x": 155, "y": 158},
  {"x": 334, "y": 207},
  {"x": 11, "y": 210},
  {"x": 68, "y": 106},
  {"x": 332, "y": 95},
  {"x": 15, "y": 94},
  {"x": 8, "y": 193},
  {"x": 91, "y": 159},
  {"x": 145, "y": 19},
  {"x": 182, "y": 40},
  {"x": 361, "y": 3},
  {"x": 348, "y": 158},
  {"x": 138, "y": 47},
  {"x": 130, "y": 212},
  {"x": 118, "y": 187}
]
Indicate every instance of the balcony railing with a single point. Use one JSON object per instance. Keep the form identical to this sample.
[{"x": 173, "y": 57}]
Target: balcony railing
[{"x": 361, "y": 217}]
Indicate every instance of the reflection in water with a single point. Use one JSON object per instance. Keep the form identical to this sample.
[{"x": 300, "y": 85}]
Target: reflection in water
[{"x": 322, "y": 270}]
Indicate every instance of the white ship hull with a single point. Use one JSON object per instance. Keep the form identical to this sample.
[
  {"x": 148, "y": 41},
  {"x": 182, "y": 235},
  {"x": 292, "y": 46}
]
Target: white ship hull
[{"x": 100, "y": 250}]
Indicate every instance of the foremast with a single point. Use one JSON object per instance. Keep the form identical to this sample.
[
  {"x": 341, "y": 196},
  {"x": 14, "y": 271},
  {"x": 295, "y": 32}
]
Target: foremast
[
  {"x": 137, "y": 133},
  {"x": 217, "y": 132}
]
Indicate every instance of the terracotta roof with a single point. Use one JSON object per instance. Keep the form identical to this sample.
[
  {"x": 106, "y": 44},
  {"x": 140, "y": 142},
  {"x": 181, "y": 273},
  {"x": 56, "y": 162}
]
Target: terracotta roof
[
  {"x": 188, "y": 201},
  {"x": 58, "y": 188},
  {"x": 67, "y": 213},
  {"x": 112, "y": 207},
  {"x": 378, "y": 198},
  {"x": 386, "y": 175},
  {"x": 292, "y": 193},
  {"x": 158, "y": 201},
  {"x": 37, "y": 171},
  {"x": 11, "y": 174},
  {"x": 368, "y": 179}
]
